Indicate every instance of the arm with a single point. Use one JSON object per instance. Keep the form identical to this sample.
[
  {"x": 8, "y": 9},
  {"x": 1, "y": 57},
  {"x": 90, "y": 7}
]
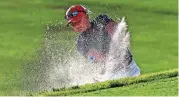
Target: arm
[
  {"x": 82, "y": 46},
  {"x": 110, "y": 27},
  {"x": 108, "y": 22},
  {"x": 90, "y": 54},
  {"x": 96, "y": 56}
]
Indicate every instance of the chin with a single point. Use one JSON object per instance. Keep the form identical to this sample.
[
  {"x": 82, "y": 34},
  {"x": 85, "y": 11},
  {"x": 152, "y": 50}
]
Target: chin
[{"x": 80, "y": 30}]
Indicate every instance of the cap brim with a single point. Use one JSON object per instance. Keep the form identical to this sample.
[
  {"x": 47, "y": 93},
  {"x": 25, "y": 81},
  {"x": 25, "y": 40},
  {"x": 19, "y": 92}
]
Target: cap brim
[{"x": 68, "y": 23}]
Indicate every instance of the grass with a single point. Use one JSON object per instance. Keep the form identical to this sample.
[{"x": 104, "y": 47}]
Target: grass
[
  {"x": 150, "y": 82},
  {"x": 162, "y": 87},
  {"x": 152, "y": 23}
]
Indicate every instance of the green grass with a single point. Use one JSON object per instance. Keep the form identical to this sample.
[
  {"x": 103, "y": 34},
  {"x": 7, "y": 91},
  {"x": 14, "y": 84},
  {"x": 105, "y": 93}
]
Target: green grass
[
  {"x": 152, "y": 23},
  {"x": 152, "y": 84},
  {"x": 162, "y": 87}
]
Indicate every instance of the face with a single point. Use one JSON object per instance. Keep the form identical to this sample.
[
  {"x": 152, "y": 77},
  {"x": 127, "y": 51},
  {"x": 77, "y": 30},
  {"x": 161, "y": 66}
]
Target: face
[{"x": 80, "y": 23}]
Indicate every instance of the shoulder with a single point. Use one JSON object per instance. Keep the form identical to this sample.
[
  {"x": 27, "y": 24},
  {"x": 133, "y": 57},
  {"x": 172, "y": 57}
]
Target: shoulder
[{"x": 102, "y": 18}]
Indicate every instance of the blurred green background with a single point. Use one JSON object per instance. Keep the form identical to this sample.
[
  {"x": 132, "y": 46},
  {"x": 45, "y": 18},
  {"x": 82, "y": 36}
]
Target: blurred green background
[{"x": 152, "y": 24}]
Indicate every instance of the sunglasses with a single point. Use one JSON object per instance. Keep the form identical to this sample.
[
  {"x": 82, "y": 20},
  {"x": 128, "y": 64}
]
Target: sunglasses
[{"x": 70, "y": 15}]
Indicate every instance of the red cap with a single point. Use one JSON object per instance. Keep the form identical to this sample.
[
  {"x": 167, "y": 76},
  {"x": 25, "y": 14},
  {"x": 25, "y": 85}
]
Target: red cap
[{"x": 78, "y": 8}]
